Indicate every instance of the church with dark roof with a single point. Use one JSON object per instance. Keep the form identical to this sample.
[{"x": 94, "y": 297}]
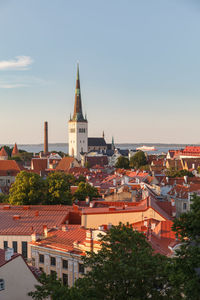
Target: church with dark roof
[{"x": 79, "y": 142}]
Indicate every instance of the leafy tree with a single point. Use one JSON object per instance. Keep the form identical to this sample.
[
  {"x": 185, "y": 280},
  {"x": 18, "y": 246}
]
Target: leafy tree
[
  {"x": 58, "y": 188},
  {"x": 50, "y": 286},
  {"x": 86, "y": 190},
  {"x": 122, "y": 162},
  {"x": 198, "y": 170},
  {"x": 185, "y": 270},
  {"x": 81, "y": 178},
  {"x": 16, "y": 158},
  {"x": 28, "y": 188},
  {"x": 3, "y": 198},
  {"x": 124, "y": 268},
  {"x": 174, "y": 173},
  {"x": 138, "y": 160}
]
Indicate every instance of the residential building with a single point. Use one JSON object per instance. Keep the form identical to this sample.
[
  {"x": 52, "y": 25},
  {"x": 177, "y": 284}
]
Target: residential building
[
  {"x": 17, "y": 279},
  {"x": 18, "y": 224},
  {"x": 61, "y": 251}
]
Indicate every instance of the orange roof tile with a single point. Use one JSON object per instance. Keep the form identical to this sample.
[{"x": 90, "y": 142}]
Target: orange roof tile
[
  {"x": 9, "y": 167},
  {"x": 15, "y": 150},
  {"x": 3, "y": 152},
  {"x": 65, "y": 164},
  {"x": 63, "y": 240},
  {"x": 31, "y": 218}
]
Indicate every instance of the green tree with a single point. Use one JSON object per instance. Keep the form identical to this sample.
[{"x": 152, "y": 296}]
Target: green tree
[
  {"x": 185, "y": 269},
  {"x": 85, "y": 190},
  {"x": 50, "y": 286},
  {"x": 58, "y": 188},
  {"x": 125, "y": 268},
  {"x": 122, "y": 162},
  {"x": 4, "y": 198},
  {"x": 138, "y": 160},
  {"x": 175, "y": 173},
  {"x": 28, "y": 188},
  {"x": 81, "y": 178}
]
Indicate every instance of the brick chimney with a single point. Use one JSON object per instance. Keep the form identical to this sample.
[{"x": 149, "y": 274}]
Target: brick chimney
[{"x": 45, "y": 138}]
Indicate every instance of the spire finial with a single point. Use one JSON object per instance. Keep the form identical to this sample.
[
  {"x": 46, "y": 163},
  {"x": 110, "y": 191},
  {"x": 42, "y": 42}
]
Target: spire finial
[
  {"x": 77, "y": 76},
  {"x": 103, "y": 134}
]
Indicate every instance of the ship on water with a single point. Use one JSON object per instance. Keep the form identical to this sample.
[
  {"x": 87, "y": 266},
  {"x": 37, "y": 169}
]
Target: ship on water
[{"x": 146, "y": 148}]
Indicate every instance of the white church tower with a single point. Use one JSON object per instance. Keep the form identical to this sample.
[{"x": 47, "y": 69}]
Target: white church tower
[{"x": 78, "y": 126}]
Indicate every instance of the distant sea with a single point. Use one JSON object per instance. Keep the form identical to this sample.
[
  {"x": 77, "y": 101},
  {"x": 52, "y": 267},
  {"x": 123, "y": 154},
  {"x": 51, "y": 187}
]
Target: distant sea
[{"x": 161, "y": 148}]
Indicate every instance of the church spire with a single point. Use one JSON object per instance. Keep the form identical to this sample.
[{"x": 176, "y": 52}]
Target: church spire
[{"x": 78, "y": 114}]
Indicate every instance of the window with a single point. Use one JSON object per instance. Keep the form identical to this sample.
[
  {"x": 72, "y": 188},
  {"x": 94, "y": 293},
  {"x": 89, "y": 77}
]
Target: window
[
  {"x": 53, "y": 261},
  {"x": 41, "y": 269},
  {"x": 41, "y": 258},
  {"x": 65, "y": 264},
  {"x": 5, "y": 244},
  {"x": 2, "y": 285},
  {"x": 53, "y": 273},
  {"x": 14, "y": 245},
  {"x": 65, "y": 279},
  {"x": 81, "y": 268},
  {"x": 184, "y": 206},
  {"x": 24, "y": 249},
  {"x": 81, "y": 130},
  {"x": 72, "y": 130}
]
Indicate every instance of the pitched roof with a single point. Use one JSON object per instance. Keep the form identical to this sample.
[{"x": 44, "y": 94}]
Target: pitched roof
[
  {"x": 15, "y": 150},
  {"x": 24, "y": 220},
  {"x": 39, "y": 164},
  {"x": 63, "y": 240},
  {"x": 97, "y": 160},
  {"x": 3, "y": 152},
  {"x": 65, "y": 164},
  {"x": 9, "y": 167},
  {"x": 96, "y": 142}
]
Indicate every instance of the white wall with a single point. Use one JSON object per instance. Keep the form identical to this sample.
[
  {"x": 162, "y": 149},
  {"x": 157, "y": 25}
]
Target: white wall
[
  {"x": 78, "y": 141},
  {"x": 19, "y": 280}
]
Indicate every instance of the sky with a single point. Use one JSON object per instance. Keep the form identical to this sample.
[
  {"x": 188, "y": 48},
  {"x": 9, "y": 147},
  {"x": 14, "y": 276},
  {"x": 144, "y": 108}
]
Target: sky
[{"x": 139, "y": 69}]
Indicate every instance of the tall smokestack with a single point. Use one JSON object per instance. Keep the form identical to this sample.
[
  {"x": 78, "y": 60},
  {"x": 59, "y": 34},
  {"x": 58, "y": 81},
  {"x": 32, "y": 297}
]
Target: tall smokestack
[{"x": 46, "y": 138}]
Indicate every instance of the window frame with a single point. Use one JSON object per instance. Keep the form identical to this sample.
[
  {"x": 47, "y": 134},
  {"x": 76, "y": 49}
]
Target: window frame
[
  {"x": 52, "y": 260},
  {"x": 63, "y": 262},
  {"x": 41, "y": 258}
]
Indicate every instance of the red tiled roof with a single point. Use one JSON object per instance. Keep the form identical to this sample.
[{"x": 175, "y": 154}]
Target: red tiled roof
[
  {"x": 143, "y": 205},
  {"x": 38, "y": 164},
  {"x": 97, "y": 160},
  {"x": 15, "y": 150},
  {"x": 65, "y": 164},
  {"x": 3, "y": 152},
  {"x": 32, "y": 218},
  {"x": 63, "y": 240},
  {"x": 9, "y": 167}
]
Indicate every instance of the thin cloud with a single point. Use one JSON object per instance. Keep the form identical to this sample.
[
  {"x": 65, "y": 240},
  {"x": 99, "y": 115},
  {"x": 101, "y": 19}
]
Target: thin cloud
[
  {"x": 19, "y": 63},
  {"x": 12, "y": 86},
  {"x": 14, "y": 81}
]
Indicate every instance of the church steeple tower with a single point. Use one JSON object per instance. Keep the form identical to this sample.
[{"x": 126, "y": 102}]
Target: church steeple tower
[
  {"x": 78, "y": 113},
  {"x": 77, "y": 129}
]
